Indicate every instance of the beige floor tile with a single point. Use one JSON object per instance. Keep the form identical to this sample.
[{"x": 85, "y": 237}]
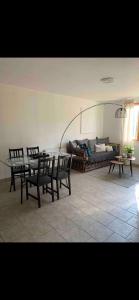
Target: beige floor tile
[
  {"x": 51, "y": 237},
  {"x": 134, "y": 221},
  {"x": 62, "y": 224},
  {"x": 1, "y": 240},
  {"x": 13, "y": 233},
  {"x": 102, "y": 210},
  {"x": 92, "y": 240},
  {"x": 134, "y": 236},
  {"x": 116, "y": 238},
  {"x": 38, "y": 227},
  {"x": 121, "y": 227},
  {"x": 121, "y": 214},
  {"x": 98, "y": 231},
  {"x": 75, "y": 235}
]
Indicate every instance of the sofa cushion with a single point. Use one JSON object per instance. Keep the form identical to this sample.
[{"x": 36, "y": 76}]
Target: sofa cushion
[
  {"x": 100, "y": 147},
  {"x": 81, "y": 142},
  {"x": 91, "y": 144},
  {"x": 102, "y": 140},
  {"x": 101, "y": 156}
]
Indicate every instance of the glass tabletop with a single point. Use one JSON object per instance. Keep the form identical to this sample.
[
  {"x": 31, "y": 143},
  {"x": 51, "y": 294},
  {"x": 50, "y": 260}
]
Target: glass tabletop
[{"x": 28, "y": 161}]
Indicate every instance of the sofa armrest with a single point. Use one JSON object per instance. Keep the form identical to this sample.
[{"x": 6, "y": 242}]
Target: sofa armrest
[
  {"x": 79, "y": 152},
  {"x": 76, "y": 151}
]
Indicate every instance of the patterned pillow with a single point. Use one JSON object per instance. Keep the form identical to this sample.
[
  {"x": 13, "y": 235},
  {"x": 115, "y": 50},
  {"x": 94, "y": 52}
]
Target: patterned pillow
[
  {"x": 88, "y": 150},
  {"x": 85, "y": 148}
]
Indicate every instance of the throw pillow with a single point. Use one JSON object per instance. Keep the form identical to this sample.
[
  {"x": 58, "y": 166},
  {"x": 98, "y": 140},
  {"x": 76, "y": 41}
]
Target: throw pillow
[
  {"x": 100, "y": 147},
  {"x": 85, "y": 148},
  {"x": 108, "y": 148},
  {"x": 89, "y": 151}
]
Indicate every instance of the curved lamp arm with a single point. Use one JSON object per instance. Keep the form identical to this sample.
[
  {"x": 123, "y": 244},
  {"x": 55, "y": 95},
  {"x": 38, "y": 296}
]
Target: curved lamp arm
[{"x": 81, "y": 113}]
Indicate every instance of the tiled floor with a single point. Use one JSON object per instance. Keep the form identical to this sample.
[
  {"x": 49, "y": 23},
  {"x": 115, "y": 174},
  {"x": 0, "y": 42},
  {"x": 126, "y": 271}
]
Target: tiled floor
[{"x": 97, "y": 211}]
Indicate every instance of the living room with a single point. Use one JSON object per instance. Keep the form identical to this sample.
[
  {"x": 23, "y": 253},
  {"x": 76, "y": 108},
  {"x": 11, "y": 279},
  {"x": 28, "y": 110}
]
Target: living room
[{"x": 41, "y": 98}]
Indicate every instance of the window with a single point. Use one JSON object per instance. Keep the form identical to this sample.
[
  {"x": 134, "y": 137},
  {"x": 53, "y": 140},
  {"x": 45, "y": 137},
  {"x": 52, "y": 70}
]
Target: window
[
  {"x": 135, "y": 123},
  {"x": 131, "y": 124}
]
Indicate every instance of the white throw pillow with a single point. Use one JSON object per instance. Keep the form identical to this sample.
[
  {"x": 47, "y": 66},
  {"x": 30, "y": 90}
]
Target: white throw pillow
[
  {"x": 100, "y": 147},
  {"x": 108, "y": 148}
]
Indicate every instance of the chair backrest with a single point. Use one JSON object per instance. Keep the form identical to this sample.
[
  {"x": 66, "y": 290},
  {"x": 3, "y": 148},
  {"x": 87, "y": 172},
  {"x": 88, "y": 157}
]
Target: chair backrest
[
  {"x": 64, "y": 163},
  {"x": 45, "y": 166},
  {"x": 32, "y": 150},
  {"x": 16, "y": 153}
]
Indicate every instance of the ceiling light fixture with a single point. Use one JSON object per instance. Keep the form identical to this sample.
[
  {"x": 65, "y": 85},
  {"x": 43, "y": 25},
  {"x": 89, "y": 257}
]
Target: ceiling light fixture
[{"x": 107, "y": 79}]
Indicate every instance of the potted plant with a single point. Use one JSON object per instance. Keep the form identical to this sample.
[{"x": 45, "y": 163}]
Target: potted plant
[{"x": 129, "y": 150}]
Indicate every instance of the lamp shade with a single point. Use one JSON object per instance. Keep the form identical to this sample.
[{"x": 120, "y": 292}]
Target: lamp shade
[{"x": 121, "y": 113}]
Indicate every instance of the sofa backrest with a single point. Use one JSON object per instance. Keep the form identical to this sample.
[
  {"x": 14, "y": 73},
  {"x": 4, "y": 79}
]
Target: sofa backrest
[
  {"x": 102, "y": 140},
  {"x": 80, "y": 142},
  {"x": 89, "y": 143}
]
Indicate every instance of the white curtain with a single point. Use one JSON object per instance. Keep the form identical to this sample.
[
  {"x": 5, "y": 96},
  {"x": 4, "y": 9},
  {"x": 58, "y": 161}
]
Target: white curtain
[{"x": 130, "y": 125}]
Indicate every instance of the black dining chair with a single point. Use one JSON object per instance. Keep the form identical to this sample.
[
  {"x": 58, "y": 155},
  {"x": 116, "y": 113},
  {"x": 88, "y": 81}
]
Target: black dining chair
[
  {"x": 44, "y": 177},
  {"x": 62, "y": 172},
  {"x": 32, "y": 152},
  {"x": 17, "y": 170}
]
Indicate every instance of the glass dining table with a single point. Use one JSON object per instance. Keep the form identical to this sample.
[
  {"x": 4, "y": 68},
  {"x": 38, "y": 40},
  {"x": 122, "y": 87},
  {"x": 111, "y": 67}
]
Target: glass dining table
[{"x": 30, "y": 161}]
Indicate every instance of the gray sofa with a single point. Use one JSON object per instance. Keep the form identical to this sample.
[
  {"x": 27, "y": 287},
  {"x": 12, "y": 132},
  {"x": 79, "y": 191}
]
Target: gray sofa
[{"x": 84, "y": 162}]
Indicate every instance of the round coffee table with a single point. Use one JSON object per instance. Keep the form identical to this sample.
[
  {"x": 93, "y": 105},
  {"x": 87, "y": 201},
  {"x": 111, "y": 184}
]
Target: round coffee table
[
  {"x": 122, "y": 160},
  {"x": 116, "y": 162}
]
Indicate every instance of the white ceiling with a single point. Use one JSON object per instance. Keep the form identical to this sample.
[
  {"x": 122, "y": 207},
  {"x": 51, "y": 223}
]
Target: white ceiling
[{"x": 77, "y": 77}]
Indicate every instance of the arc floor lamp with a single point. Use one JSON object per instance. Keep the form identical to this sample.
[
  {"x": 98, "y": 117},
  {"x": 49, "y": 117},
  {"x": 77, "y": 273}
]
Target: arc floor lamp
[{"x": 120, "y": 113}]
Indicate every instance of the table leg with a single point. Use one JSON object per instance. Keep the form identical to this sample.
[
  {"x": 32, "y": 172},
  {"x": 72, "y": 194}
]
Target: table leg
[
  {"x": 113, "y": 167},
  {"x": 120, "y": 170},
  {"x": 110, "y": 168},
  {"x": 131, "y": 167}
]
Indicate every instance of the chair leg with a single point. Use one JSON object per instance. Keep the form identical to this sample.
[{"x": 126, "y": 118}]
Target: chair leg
[
  {"x": 52, "y": 188},
  {"x": 57, "y": 188},
  {"x": 43, "y": 190},
  {"x": 38, "y": 194},
  {"x": 14, "y": 182},
  {"x": 11, "y": 184},
  {"x": 60, "y": 184},
  {"x": 21, "y": 191},
  {"x": 69, "y": 183},
  {"x": 27, "y": 190}
]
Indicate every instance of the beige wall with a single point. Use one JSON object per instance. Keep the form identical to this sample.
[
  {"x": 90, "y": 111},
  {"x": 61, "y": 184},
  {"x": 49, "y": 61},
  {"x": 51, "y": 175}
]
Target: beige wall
[{"x": 29, "y": 118}]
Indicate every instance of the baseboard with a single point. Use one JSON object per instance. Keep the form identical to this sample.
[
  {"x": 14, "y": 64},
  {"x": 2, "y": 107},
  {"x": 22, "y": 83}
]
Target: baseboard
[
  {"x": 136, "y": 165},
  {"x": 5, "y": 179}
]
